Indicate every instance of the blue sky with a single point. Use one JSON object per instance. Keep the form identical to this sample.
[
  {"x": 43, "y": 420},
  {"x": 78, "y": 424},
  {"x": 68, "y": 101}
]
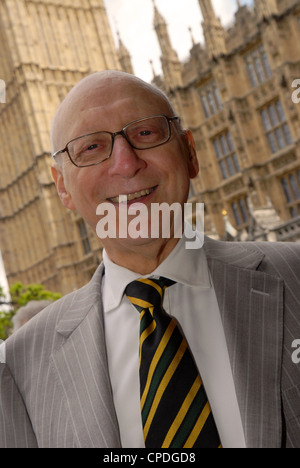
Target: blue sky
[{"x": 134, "y": 21}]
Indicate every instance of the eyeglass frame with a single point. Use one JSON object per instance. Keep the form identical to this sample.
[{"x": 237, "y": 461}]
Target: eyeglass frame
[{"x": 113, "y": 135}]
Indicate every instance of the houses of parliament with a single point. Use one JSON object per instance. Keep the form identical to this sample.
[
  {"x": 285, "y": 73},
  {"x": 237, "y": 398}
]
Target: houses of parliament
[{"x": 235, "y": 92}]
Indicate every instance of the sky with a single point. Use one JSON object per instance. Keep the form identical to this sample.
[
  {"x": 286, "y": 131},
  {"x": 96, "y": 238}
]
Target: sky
[
  {"x": 3, "y": 282},
  {"x": 133, "y": 19}
]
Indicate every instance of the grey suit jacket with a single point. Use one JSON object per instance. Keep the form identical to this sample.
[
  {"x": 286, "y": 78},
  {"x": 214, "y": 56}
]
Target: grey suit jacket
[{"x": 55, "y": 388}]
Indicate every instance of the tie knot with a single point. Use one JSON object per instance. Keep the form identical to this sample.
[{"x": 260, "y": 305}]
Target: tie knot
[{"x": 147, "y": 292}]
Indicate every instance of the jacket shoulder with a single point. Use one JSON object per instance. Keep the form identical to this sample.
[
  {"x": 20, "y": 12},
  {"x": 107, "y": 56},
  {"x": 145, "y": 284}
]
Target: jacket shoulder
[
  {"x": 40, "y": 331},
  {"x": 281, "y": 258},
  {"x": 272, "y": 257}
]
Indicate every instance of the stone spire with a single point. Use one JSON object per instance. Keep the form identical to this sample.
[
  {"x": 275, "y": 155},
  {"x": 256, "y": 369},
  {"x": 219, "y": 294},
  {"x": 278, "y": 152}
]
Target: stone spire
[
  {"x": 265, "y": 8},
  {"x": 214, "y": 32},
  {"x": 171, "y": 65},
  {"x": 124, "y": 56},
  {"x": 161, "y": 29}
]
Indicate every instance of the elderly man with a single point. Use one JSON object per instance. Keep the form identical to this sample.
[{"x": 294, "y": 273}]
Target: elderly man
[{"x": 166, "y": 346}]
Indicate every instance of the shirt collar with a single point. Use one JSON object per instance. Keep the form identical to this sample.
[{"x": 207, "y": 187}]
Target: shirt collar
[{"x": 185, "y": 266}]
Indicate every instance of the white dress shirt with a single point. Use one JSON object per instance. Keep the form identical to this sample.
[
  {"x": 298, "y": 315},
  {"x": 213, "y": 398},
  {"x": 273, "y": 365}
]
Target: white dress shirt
[{"x": 192, "y": 301}]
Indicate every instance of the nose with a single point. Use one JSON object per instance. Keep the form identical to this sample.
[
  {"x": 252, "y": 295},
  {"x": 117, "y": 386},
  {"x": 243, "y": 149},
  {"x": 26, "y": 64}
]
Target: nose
[{"x": 124, "y": 160}]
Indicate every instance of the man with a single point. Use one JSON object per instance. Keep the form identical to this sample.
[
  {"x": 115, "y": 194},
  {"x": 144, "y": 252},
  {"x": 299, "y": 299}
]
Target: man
[{"x": 71, "y": 377}]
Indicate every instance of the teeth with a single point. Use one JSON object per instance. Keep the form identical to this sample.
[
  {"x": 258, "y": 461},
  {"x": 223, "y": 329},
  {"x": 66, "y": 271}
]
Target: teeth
[{"x": 131, "y": 196}]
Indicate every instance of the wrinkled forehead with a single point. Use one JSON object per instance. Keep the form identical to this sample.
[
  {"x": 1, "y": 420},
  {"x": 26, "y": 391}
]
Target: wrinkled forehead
[{"x": 116, "y": 99}]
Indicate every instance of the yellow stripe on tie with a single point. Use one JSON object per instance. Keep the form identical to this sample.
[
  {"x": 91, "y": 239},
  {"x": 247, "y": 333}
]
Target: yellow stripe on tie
[
  {"x": 158, "y": 353},
  {"x": 198, "y": 427},
  {"x": 163, "y": 385},
  {"x": 140, "y": 302},
  {"x": 182, "y": 413}
]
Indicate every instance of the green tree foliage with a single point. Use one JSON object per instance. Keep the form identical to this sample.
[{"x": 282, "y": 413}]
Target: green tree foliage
[
  {"x": 5, "y": 318},
  {"x": 20, "y": 295}
]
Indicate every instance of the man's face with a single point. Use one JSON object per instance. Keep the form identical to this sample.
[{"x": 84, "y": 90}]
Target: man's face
[{"x": 156, "y": 175}]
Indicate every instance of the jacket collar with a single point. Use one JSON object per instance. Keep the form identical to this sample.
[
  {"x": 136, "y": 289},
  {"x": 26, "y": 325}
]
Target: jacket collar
[
  {"x": 82, "y": 302},
  {"x": 238, "y": 254}
]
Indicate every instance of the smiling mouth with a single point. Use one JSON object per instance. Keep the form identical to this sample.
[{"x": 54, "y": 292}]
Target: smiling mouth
[{"x": 132, "y": 196}]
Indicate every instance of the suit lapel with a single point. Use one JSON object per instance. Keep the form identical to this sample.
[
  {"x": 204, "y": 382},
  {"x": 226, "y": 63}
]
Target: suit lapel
[
  {"x": 251, "y": 305},
  {"x": 82, "y": 370}
]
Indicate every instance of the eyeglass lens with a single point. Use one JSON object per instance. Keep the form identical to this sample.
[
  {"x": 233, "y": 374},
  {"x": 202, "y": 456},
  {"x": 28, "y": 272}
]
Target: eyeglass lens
[{"x": 142, "y": 134}]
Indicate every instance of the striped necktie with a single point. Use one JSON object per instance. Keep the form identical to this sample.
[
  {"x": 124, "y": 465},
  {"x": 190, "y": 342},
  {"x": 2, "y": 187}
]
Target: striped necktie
[{"x": 175, "y": 409}]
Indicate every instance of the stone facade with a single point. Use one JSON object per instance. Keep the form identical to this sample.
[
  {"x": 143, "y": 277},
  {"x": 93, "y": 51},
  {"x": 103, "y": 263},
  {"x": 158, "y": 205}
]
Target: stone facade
[
  {"x": 235, "y": 93},
  {"x": 46, "y": 47}
]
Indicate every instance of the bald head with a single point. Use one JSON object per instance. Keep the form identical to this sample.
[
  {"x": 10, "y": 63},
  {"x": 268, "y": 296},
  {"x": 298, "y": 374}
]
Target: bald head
[
  {"x": 97, "y": 89},
  {"x": 108, "y": 103}
]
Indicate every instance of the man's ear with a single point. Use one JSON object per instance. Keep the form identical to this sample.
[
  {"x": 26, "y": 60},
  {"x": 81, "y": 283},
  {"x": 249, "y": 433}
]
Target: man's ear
[
  {"x": 64, "y": 195},
  {"x": 193, "y": 160}
]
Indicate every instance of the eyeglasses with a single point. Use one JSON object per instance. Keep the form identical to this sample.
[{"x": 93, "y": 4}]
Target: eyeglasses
[{"x": 142, "y": 134}]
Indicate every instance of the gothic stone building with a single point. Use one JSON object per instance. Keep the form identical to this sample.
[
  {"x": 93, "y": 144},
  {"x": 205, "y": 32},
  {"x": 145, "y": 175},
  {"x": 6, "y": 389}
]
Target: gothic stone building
[
  {"x": 234, "y": 92},
  {"x": 46, "y": 48}
]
